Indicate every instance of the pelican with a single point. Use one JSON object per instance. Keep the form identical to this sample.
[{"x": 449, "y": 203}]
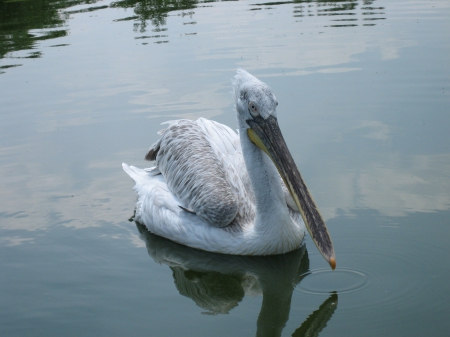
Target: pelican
[{"x": 233, "y": 193}]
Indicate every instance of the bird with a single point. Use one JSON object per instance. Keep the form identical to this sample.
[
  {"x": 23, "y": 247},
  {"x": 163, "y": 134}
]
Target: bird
[{"x": 228, "y": 192}]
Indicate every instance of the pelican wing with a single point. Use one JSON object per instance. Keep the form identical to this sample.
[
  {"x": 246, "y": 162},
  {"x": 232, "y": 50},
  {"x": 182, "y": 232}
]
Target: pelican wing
[
  {"x": 227, "y": 147},
  {"x": 202, "y": 164}
]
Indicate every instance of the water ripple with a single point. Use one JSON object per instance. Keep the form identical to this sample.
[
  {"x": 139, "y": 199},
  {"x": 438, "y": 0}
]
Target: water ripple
[{"x": 341, "y": 280}]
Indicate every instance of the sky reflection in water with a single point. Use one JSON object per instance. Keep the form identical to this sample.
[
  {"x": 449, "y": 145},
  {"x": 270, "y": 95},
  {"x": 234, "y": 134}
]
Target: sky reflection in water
[
  {"x": 400, "y": 146},
  {"x": 364, "y": 97}
]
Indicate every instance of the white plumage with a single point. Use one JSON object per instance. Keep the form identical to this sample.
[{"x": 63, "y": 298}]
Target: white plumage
[
  {"x": 214, "y": 189},
  {"x": 158, "y": 204}
]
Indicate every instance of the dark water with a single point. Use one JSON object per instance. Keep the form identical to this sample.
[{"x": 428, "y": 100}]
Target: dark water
[{"x": 364, "y": 92}]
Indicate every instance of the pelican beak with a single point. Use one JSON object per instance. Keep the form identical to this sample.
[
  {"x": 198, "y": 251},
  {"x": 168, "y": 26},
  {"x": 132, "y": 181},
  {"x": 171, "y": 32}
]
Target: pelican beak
[{"x": 266, "y": 134}]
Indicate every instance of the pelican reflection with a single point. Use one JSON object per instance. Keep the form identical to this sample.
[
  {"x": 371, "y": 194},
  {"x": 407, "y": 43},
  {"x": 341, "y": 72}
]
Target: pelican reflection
[{"x": 218, "y": 282}]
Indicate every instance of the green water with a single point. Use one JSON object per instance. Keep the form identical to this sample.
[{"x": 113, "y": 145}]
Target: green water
[{"x": 364, "y": 105}]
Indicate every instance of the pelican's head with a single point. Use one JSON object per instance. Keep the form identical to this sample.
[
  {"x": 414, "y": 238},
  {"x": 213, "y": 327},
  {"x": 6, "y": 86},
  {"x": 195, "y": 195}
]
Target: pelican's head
[
  {"x": 252, "y": 98},
  {"x": 256, "y": 111}
]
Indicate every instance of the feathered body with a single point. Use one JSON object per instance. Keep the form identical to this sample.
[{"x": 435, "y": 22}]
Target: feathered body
[
  {"x": 200, "y": 167},
  {"x": 221, "y": 191}
]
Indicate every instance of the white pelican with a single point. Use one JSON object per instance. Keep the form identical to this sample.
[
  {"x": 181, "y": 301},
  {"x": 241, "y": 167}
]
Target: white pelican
[{"x": 219, "y": 191}]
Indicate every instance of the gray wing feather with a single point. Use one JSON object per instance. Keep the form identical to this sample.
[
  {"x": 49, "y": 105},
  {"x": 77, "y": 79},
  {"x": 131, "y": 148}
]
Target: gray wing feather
[{"x": 193, "y": 172}]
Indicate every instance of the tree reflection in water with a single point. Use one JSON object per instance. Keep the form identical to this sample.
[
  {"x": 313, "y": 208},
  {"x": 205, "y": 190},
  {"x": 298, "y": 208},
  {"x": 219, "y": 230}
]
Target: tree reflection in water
[
  {"x": 154, "y": 11},
  {"x": 218, "y": 282},
  {"x": 24, "y": 23}
]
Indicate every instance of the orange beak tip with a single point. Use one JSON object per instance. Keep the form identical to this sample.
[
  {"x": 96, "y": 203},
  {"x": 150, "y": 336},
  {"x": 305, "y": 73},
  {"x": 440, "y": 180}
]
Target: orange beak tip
[{"x": 332, "y": 263}]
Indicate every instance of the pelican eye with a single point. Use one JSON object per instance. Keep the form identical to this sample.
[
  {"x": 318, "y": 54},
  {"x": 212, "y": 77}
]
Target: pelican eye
[{"x": 253, "y": 109}]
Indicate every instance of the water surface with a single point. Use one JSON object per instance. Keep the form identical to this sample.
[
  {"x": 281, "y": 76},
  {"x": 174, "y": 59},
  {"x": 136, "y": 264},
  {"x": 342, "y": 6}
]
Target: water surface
[{"x": 364, "y": 92}]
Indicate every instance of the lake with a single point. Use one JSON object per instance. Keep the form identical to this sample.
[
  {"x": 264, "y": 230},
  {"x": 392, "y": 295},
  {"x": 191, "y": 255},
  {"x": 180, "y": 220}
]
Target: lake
[{"x": 364, "y": 105}]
